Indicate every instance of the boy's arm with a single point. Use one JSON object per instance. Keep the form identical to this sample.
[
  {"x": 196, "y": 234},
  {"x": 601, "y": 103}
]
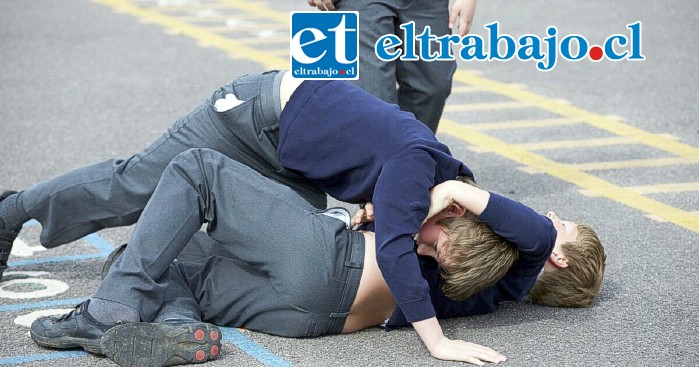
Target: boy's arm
[
  {"x": 531, "y": 232},
  {"x": 401, "y": 199},
  {"x": 471, "y": 198}
]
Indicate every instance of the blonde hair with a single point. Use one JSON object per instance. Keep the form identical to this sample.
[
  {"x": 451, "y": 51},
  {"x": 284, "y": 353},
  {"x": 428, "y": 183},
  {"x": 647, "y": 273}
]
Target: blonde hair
[
  {"x": 579, "y": 284},
  {"x": 475, "y": 259}
]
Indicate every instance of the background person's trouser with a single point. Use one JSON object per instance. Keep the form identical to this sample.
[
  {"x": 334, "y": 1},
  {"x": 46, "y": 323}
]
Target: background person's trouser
[
  {"x": 292, "y": 271},
  {"x": 114, "y": 192},
  {"x": 423, "y": 86}
]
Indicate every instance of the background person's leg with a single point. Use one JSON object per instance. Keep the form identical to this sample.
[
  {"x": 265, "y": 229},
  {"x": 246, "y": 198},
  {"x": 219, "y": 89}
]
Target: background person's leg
[
  {"x": 375, "y": 19},
  {"x": 423, "y": 87}
]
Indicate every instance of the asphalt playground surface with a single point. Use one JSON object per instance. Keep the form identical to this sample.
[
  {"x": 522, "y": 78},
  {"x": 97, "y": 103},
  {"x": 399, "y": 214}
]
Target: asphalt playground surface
[{"x": 612, "y": 144}]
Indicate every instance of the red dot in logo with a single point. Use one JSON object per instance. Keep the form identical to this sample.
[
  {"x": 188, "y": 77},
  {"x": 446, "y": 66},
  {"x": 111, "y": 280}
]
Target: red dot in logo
[
  {"x": 342, "y": 72},
  {"x": 596, "y": 53}
]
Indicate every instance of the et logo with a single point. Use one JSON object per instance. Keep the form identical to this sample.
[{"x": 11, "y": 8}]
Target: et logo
[{"x": 324, "y": 45}]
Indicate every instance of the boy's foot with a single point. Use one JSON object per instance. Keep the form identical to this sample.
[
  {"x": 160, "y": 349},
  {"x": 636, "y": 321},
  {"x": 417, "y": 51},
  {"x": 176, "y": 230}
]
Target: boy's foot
[
  {"x": 111, "y": 259},
  {"x": 7, "y": 237},
  {"x": 75, "y": 329},
  {"x": 161, "y": 344}
]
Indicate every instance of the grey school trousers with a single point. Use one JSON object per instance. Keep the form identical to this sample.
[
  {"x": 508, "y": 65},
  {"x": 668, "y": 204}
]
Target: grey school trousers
[
  {"x": 291, "y": 270},
  {"x": 114, "y": 192},
  {"x": 423, "y": 86}
]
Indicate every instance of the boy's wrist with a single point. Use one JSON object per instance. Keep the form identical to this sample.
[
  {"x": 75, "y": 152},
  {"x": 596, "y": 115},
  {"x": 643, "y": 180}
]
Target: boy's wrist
[{"x": 429, "y": 331}]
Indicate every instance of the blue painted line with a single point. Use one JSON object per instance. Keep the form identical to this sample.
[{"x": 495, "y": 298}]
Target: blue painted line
[
  {"x": 44, "y": 357},
  {"x": 103, "y": 246},
  {"x": 44, "y": 304},
  {"x": 100, "y": 244},
  {"x": 262, "y": 354},
  {"x": 56, "y": 259}
]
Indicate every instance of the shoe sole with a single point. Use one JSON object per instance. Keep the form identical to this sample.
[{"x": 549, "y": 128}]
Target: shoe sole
[
  {"x": 67, "y": 342},
  {"x": 161, "y": 344}
]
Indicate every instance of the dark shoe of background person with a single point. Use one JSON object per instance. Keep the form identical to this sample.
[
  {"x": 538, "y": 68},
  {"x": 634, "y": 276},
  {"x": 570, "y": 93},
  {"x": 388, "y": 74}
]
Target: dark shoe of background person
[
  {"x": 74, "y": 329},
  {"x": 111, "y": 259},
  {"x": 161, "y": 344},
  {"x": 7, "y": 237}
]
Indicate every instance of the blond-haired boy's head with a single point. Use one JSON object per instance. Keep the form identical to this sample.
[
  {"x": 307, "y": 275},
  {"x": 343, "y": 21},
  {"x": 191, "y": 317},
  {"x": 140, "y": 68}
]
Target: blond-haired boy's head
[
  {"x": 475, "y": 259},
  {"x": 573, "y": 275}
]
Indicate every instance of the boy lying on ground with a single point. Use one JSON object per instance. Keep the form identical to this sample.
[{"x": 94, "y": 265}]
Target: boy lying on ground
[{"x": 289, "y": 269}]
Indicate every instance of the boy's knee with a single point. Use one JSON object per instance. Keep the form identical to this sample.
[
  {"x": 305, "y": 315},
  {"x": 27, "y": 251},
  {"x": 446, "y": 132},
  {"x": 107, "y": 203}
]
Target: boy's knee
[
  {"x": 440, "y": 88},
  {"x": 190, "y": 162}
]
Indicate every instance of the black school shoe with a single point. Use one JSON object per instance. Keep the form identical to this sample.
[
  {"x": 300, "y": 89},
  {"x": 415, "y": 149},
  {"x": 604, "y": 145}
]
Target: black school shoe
[
  {"x": 74, "y": 329},
  {"x": 7, "y": 237},
  {"x": 161, "y": 344}
]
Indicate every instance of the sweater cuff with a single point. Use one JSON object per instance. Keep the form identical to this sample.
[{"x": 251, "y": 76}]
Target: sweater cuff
[{"x": 418, "y": 310}]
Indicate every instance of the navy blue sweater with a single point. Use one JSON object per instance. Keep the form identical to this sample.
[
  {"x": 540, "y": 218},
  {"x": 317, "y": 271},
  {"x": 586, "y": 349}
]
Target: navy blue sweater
[
  {"x": 357, "y": 148},
  {"x": 532, "y": 233}
]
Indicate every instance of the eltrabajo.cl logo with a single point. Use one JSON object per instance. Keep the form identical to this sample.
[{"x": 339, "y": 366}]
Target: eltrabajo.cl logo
[
  {"x": 324, "y": 45},
  {"x": 545, "y": 51}
]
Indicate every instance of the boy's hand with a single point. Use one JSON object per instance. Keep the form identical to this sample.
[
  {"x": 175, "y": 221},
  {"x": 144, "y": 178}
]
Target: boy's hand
[
  {"x": 441, "y": 347},
  {"x": 322, "y": 4},
  {"x": 469, "y": 197},
  {"x": 459, "y": 350},
  {"x": 464, "y": 10},
  {"x": 363, "y": 215},
  {"x": 440, "y": 198}
]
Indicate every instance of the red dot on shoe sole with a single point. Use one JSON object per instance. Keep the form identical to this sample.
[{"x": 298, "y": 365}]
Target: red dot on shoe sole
[
  {"x": 200, "y": 355},
  {"x": 199, "y": 335},
  {"x": 213, "y": 335},
  {"x": 215, "y": 350}
]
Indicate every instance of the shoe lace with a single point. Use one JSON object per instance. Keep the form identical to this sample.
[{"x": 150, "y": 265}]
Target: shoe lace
[
  {"x": 66, "y": 316},
  {"x": 77, "y": 310}
]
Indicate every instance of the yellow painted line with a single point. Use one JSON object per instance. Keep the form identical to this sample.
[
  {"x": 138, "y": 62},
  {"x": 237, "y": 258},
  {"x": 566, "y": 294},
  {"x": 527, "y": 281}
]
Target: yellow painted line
[
  {"x": 581, "y": 179},
  {"x": 189, "y": 7},
  {"x": 522, "y": 124},
  {"x": 203, "y": 36},
  {"x": 232, "y": 24},
  {"x": 266, "y": 12},
  {"x": 485, "y": 106},
  {"x": 280, "y": 53},
  {"x": 599, "y": 121},
  {"x": 189, "y": 18},
  {"x": 634, "y": 163},
  {"x": 577, "y": 143},
  {"x": 265, "y": 40},
  {"x": 237, "y": 27},
  {"x": 665, "y": 188},
  {"x": 463, "y": 89},
  {"x": 662, "y": 220}
]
